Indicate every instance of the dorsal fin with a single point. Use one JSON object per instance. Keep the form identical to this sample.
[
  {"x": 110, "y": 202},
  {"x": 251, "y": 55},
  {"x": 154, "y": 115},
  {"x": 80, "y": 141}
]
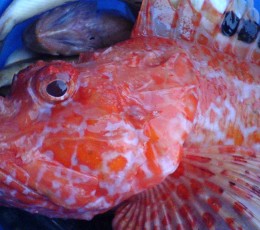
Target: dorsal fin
[{"x": 231, "y": 26}]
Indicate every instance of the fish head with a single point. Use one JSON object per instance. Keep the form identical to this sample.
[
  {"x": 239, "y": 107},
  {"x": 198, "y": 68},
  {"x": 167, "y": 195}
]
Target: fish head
[
  {"x": 84, "y": 137},
  {"x": 75, "y": 28}
]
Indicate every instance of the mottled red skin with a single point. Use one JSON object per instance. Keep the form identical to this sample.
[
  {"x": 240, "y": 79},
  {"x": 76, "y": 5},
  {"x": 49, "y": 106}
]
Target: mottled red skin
[
  {"x": 129, "y": 113},
  {"x": 107, "y": 138}
]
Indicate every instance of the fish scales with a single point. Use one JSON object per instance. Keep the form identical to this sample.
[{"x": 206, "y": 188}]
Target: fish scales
[{"x": 161, "y": 127}]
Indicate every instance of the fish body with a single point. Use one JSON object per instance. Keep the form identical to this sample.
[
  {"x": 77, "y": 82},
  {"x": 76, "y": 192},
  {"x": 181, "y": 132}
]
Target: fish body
[
  {"x": 20, "y": 10},
  {"x": 163, "y": 128},
  {"x": 75, "y": 28}
]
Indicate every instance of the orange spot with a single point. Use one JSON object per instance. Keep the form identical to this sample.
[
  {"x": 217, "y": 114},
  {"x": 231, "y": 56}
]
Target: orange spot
[
  {"x": 254, "y": 137},
  {"x": 211, "y": 13},
  {"x": 214, "y": 62},
  {"x": 190, "y": 110},
  {"x": 235, "y": 133},
  {"x": 151, "y": 134},
  {"x": 117, "y": 164},
  {"x": 89, "y": 156},
  {"x": 202, "y": 39},
  {"x": 244, "y": 73},
  {"x": 158, "y": 79},
  {"x": 91, "y": 121},
  {"x": 256, "y": 57},
  {"x": 62, "y": 150},
  {"x": 151, "y": 159},
  {"x": 74, "y": 119}
]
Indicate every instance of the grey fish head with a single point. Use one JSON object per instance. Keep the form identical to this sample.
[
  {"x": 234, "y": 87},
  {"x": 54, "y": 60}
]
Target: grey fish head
[{"x": 75, "y": 28}]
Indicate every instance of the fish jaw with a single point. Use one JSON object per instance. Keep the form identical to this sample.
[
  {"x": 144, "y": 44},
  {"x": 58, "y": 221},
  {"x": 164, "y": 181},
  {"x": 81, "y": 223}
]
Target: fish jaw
[{"x": 112, "y": 127}]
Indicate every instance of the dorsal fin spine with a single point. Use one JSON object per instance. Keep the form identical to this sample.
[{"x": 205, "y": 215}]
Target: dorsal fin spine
[{"x": 201, "y": 21}]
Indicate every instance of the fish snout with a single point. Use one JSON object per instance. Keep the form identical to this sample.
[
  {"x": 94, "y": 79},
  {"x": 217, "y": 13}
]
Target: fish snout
[{"x": 33, "y": 41}]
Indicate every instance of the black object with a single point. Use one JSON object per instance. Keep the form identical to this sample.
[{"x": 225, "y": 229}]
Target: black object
[
  {"x": 15, "y": 219},
  {"x": 57, "y": 88},
  {"x": 248, "y": 32},
  {"x": 4, "y": 91},
  {"x": 230, "y": 24}
]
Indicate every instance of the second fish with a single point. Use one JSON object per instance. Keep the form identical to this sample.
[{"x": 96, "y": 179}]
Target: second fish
[{"x": 75, "y": 28}]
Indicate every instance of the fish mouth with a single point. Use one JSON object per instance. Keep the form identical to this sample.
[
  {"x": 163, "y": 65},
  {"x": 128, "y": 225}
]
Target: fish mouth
[
  {"x": 63, "y": 186},
  {"x": 48, "y": 188}
]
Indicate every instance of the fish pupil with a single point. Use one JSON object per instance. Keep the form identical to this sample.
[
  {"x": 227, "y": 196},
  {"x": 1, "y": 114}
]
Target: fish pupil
[
  {"x": 229, "y": 24},
  {"x": 56, "y": 88}
]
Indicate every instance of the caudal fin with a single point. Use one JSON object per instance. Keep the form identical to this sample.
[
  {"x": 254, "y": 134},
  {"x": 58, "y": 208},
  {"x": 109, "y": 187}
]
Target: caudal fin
[
  {"x": 213, "y": 188},
  {"x": 231, "y": 26}
]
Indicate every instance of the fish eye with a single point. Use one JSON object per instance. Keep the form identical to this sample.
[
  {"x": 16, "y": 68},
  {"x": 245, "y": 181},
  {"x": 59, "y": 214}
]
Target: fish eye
[
  {"x": 54, "y": 82},
  {"x": 57, "y": 88}
]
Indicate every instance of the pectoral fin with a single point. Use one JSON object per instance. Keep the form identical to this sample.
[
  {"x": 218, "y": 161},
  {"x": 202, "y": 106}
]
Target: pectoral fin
[{"x": 214, "y": 187}]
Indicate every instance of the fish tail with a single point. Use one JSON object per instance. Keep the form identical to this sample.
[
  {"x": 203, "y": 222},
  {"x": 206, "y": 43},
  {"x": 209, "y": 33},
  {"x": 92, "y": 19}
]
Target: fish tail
[
  {"x": 231, "y": 26},
  {"x": 213, "y": 188}
]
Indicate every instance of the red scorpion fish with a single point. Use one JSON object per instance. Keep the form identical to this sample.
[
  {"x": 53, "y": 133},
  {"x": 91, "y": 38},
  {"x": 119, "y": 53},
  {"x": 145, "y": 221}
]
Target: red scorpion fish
[{"x": 163, "y": 127}]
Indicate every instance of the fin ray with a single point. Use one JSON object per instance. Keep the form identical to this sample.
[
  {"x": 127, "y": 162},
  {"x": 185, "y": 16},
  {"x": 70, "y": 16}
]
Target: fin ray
[
  {"x": 200, "y": 194},
  {"x": 223, "y": 27}
]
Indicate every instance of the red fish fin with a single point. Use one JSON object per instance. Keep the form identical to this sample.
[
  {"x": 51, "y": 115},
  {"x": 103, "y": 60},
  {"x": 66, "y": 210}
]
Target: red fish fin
[
  {"x": 214, "y": 187},
  {"x": 63, "y": 186},
  {"x": 229, "y": 26}
]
